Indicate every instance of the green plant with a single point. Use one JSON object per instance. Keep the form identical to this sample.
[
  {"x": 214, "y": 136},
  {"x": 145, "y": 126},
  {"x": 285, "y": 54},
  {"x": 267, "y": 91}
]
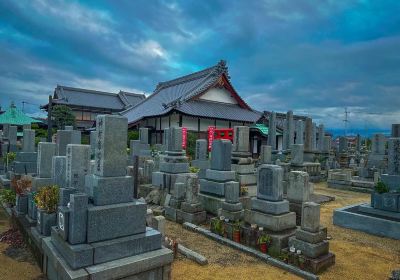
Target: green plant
[
  {"x": 264, "y": 238},
  {"x": 381, "y": 188},
  {"x": 217, "y": 226},
  {"x": 193, "y": 169},
  {"x": 47, "y": 198},
  {"x": 11, "y": 157},
  {"x": 62, "y": 116},
  {"x": 191, "y": 144},
  {"x": 7, "y": 197},
  {"x": 244, "y": 190},
  {"x": 284, "y": 256},
  {"x": 236, "y": 225},
  {"x": 132, "y": 135}
]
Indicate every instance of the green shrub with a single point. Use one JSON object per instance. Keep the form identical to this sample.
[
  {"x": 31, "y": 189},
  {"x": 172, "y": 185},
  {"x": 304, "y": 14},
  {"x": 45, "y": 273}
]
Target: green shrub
[
  {"x": 47, "y": 198},
  {"x": 7, "y": 197},
  {"x": 191, "y": 144},
  {"x": 381, "y": 187},
  {"x": 132, "y": 135}
]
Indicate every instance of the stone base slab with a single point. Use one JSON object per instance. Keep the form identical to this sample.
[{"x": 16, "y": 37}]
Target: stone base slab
[
  {"x": 38, "y": 183},
  {"x": 311, "y": 237},
  {"x": 147, "y": 266},
  {"x": 309, "y": 249},
  {"x": 211, "y": 203},
  {"x": 211, "y": 187},
  {"x": 193, "y": 218},
  {"x": 270, "y": 207},
  {"x": 191, "y": 208},
  {"x": 243, "y": 168},
  {"x": 274, "y": 223},
  {"x": 220, "y": 176},
  {"x": 232, "y": 207},
  {"x": 174, "y": 167},
  {"x": 351, "y": 217},
  {"x": 21, "y": 167},
  {"x": 321, "y": 263},
  {"x": 232, "y": 215},
  {"x": 367, "y": 209},
  {"x": 247, "y": 179}
]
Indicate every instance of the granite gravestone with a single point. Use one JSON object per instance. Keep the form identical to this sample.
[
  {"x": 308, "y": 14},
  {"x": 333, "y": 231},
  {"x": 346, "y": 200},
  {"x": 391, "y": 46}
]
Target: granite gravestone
[
  {"x": 65, "y": 137},
  {"x": 270, "y": 182},
  {"x": 308, "y": 135},
  {"x": 299, "y": 132},
  {"x": 77, "y": 160},
  {"x": 272, "y": 130}
]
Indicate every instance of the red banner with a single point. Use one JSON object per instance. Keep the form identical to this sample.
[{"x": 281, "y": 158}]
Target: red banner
[
  {"x": 211, "y": 130},
  {"x": 184, "y": 137}
]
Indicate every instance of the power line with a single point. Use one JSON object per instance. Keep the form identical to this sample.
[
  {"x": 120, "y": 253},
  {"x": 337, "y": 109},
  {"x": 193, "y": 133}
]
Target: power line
[{"x": 346, "y": 120}]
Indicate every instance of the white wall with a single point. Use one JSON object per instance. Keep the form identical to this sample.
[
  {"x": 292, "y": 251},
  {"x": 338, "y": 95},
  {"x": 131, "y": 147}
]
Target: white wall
[
  {"x": 218, "y": 95},
  {"x": 190, "y": 123}
]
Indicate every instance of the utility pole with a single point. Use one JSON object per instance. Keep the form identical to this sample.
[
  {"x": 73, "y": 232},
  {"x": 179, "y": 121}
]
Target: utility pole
[
  {"x": 49, "y": 122},
  {"x": 346, "y": 120}
]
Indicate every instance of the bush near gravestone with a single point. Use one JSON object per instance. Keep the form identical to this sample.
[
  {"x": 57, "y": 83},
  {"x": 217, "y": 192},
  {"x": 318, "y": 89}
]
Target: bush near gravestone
[
  {"x": 46, "y": 200},
  {"x": 381, "y": 188},
  {"x": 8, "y": 197}
]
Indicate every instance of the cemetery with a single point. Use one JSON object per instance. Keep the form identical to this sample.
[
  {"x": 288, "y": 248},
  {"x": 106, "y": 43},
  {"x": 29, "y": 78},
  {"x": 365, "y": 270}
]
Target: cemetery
[{"x": 103, "y": 211}]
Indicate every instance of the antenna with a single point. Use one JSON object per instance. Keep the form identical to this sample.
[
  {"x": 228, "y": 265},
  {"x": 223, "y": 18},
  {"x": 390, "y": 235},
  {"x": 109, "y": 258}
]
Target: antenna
[{"x": 346, "y": 120}]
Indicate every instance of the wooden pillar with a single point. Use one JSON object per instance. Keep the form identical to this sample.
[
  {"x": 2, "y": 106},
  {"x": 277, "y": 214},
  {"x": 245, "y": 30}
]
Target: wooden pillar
[{"x": 49, "y": 121}]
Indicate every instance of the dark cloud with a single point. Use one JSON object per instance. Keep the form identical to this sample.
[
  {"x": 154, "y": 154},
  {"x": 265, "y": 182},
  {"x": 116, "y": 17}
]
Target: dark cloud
[{"x": 313, "y": 57}]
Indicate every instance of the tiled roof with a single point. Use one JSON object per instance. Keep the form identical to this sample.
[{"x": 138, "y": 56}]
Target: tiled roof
[
  {"x": 178, "y": 94},
  {"x": 14, "y": 116},
  {"x": 95, "y": 99}
]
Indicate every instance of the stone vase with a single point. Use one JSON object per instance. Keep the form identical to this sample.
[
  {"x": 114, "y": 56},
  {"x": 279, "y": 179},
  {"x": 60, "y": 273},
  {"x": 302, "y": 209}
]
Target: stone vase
[{"x": 45, "y": 221}]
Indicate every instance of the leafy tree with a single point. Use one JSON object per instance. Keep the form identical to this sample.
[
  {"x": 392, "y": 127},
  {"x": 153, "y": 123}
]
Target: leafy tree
[
  {"x": 191, "y": 144},
  {"x": 62, "y": 116}
]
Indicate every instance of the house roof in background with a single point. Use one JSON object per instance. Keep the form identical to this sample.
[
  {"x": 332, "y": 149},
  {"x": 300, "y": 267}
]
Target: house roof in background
[
  {"x": 15, "y": 116},
  {"x": 96, "y": 99}
]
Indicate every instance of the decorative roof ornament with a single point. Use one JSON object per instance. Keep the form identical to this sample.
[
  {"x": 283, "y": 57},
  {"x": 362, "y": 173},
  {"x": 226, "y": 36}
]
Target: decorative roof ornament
[{"x": 221, "y": 68}]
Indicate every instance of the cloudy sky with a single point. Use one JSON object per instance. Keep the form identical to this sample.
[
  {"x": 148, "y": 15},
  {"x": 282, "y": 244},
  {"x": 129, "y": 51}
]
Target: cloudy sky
[{"x": 314, "y": 57}]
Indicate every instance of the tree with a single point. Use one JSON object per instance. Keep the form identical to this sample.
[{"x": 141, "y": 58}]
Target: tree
[{"x": 62, "y": 116}]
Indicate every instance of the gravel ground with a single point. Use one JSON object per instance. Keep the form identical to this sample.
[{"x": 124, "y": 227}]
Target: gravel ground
[{"x": 358, "y": 255}]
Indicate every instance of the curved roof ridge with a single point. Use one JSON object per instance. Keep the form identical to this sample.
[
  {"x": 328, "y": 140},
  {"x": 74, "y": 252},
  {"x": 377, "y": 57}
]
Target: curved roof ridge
[{"x": 193, "y": 76}]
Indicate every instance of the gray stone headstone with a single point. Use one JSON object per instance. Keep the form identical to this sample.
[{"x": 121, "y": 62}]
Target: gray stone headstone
[
  {"x": 78, "y": 218},
  {"x": 308, "y": 135},
  {"x": 299, "y": 132},
  {"x": 272, "y": 131},
  {"x": 232, "y": 192},
  {"x": 28, "y": 142},
  {"x": 6, "y": 129},
  {"x": 144, "y": 134},
  {"x": 78, "y": 165},
  {"x": 110, "y": 155},
  {"x": 221, "y": 155},
  {"x": 27, "y": 126},
  {"x": 314, "y": 137},
  {"x": 298, "y": 189},
  {"x": 310, "y": 216},
  {"x": 69, "y": 127},
  {"x": 12, "y": 135},
  {"x": 297, "y": 154},
  {"x": 343, "y": 144},
  {"x": 93, "y": 141},
  {"x": 290, "y": 129},
  {"x": 46, "y": 152},
  {"x": 173, "y": 139},
  {"x": 179, "y": 191},
  {"x": 192, "y": 188},
  {"x": 266, "y": 154},
  {"x": 269, "y": 182},
  {"x": 395, "y": 130},
  {"x": 394, "y": 156},
  {"x": 285, "y": 136},
  {"x": 59, "y": 171},
  {"x": 378, "y": 144},
  {"x": 321, "y": 135},
  {"x": 201, "y": 149},
  {"x": 65, "y": 137},
  {"x": 241, "y": 136},
  {"x": 327, "y": 144}
]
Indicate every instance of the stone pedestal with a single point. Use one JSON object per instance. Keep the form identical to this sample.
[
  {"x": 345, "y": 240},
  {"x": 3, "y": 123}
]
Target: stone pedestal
[
  {"x": 174, "y": 162},
  {"x": 269, "y": 210},
  {"x": 200, "y": 161},
  {"x": 45, "y": 154},
  {"x": 102, "y": 232},
  {"x": 310, "y": 238},
  {"x": 232, "y": 208}
]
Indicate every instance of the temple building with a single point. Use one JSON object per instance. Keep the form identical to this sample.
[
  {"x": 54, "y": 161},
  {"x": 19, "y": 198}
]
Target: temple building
[
  {"x": 196, "y": 101},
  {"x": 86, "y": 104}
]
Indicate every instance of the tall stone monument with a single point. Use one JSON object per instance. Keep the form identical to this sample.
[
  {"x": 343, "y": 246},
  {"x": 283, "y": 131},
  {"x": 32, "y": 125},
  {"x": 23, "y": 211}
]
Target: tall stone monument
[
  {"x": 26, "y": 160},
  {"x": 310, "y": 239},
  {"x": 213, "y": 186},
  {"x": 269, "y": 210},
  {"x": 242, "y": 162},
  {"x": 45, "y": 154},
  {"x": 299, "y": 132},
  {"x": 200, "y": 160},
  {"x": 65, "y": 137},
  {"x": 175, "y": 162},
  {"x": 102, "y": 233},
  {"x": 272, "y": 130}
]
